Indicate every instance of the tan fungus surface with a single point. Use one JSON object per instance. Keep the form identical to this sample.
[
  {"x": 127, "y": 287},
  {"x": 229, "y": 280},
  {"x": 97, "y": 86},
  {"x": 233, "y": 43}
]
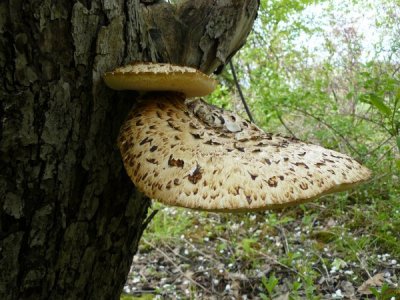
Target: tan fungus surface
[
  {"x": 160, "y": 77},
  {"x": 191, "y": 154}
]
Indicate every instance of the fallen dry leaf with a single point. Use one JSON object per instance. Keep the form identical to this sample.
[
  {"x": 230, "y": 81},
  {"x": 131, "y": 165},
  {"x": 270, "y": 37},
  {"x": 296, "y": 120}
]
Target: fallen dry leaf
[
  {"x": 348, "y": 290},
  {"x": 375, "y": 281}
]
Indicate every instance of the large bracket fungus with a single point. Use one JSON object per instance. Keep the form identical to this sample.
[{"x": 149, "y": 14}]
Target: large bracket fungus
[{"x": 185, "y": 152}]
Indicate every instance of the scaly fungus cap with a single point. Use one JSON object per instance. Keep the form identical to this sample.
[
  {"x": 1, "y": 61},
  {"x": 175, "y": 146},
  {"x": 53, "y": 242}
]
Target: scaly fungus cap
[
  {"x": 160, "y": 77},
  {"x": 195, "y": 155}
]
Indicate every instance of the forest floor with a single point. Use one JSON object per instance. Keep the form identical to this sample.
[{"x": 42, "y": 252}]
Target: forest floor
[{"x": 331, "y": 249}]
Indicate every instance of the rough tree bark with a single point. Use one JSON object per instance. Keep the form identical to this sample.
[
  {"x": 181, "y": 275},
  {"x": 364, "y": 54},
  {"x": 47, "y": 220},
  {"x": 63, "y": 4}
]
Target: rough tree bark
[{"x": 70, "y": 220}]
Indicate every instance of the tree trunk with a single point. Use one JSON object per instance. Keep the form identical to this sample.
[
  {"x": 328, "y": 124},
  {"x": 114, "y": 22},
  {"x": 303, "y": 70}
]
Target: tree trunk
[{"x": 70, "y": 219}]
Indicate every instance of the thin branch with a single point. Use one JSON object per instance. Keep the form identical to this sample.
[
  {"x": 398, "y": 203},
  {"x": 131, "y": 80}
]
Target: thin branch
[
  {"x": 331, "y": 128},
  {"x": 167, "y": 257},
  {"x": 149, "y": 218},
  {"x": 240, "y": 92},
  {"x": 379, "y": 124},
  {"x": 334, "y": 95},
  {"x": 283, "y": 238},
  {"x": 383, "y": 155},
  {"x": 284, "y": 124},
  {"x": 386, "y": 140},
  {"x": 396, "y": 70}
]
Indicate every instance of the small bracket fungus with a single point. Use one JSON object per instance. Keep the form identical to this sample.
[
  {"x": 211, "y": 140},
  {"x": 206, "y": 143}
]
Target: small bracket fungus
[
  {"x": 160, "y": 77},
  {"x": 189, "y": 153}
]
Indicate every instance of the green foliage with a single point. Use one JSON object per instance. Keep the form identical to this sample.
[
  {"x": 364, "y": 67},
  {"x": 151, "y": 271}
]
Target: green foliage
[
  {"x": 160, "y": 228},
  {"x": 385, "y": 292},
  {"x": 269, "y": 285}
]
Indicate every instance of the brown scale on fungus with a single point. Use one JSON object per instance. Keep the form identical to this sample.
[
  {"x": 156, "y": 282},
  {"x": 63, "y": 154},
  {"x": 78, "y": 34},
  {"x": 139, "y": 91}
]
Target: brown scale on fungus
[
  {"x": 301, "y": 164},
  {"x": 211, "y": 142},
  {"x": 241, "y": 149},
  {"x": 253, "y": 176},
  {"x": 273, "y": 181},
  {"x": 196, "y": 175},
  {"x": 267, "y": 161},
  {"x": 271, "y": 167},
  {"x": 303, "y": 185},
  {"x": 249, "y": 200},
  {"x": 196, "y": 135},
  {"x": 329, "y": 161},
  {"x": 145, "y": 141},
  {"x": 175, "y": 162},
  {"x": 173, "y": 126},
  {"x": 131, "y": 163},
  {"x": 126, "y": 146},
  {"x": 152, "y": 161}
]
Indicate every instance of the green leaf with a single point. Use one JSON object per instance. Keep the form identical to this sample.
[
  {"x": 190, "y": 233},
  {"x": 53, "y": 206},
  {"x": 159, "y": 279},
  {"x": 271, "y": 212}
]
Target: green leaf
[
  {"x": 247, "y": 245},
  {"x": 378, "y": 103},
  {"x": 263, "y": 296},
  {"x": 296, "y": 285},
  {"x": 271, "y": 283},
  {"x": 349, "y": 95},
  {"x": 398, "y": 142}
]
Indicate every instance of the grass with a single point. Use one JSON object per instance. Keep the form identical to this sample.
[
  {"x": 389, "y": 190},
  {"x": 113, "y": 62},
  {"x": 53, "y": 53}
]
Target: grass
[{"x": 333, "y": 248}]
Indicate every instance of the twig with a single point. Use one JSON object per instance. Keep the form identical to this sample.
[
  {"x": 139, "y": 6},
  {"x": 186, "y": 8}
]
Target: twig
[
  {"x": 166, "y": 256},
  {"x": 284, "y": 125},
  {"x": 396, "y": 70},
  {"x": 379, "y": 124},
  {"x": 380, "y": 145},
  {"x": 283, "y": 238},
  {"x": 334, "y": 95},
  {"x": 315, "y": 205},
  {"x": 172, "y": 251},
  {"x": 331, "y": 128},
  {"x": 240, "y": 92},
  {"x": 149, "y": 218},
  {"x": 324, "y": 267},
  {"x": 383, "y": 155},
  {"x": 201, "y": 252},
  {"x": 275, "y": 261}
]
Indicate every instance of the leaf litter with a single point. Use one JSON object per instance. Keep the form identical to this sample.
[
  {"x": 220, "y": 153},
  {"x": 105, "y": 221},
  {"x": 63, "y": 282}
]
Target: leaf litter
[{"x": 195, "y": 255}]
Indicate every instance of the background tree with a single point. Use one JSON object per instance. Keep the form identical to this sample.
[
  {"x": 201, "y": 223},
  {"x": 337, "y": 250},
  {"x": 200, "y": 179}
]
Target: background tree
[{"x": 70, "y": 219}]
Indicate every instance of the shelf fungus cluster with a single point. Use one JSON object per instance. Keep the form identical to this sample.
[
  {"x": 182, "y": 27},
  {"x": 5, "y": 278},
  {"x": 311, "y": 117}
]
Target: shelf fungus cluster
[{"x": 185, "y": 152}]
